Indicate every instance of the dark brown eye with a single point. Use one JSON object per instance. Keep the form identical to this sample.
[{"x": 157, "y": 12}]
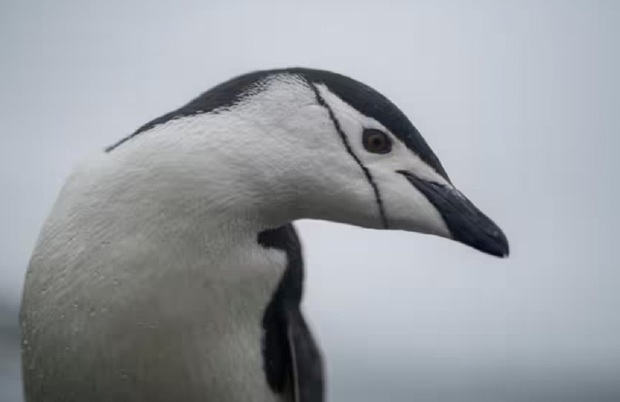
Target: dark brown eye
[{"x": 376, "y": 141}]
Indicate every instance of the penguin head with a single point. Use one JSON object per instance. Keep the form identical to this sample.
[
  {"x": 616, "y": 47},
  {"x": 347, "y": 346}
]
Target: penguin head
[
  {"x": 410, "y": 187},
  {"x": 313, "y": 144},
  {"x": 407, "y": 186}
]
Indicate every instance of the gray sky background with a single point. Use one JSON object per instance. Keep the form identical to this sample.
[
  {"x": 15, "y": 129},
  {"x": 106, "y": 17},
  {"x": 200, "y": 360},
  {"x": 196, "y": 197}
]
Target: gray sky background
[{"x": 520, "y": 100}]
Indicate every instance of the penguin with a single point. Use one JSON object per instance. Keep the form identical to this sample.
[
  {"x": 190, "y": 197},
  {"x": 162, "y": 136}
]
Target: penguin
[{"x": 169, "y": 267}]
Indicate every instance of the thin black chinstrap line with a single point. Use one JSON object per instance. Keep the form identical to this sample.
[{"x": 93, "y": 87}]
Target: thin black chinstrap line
[{"x": 345, "y": 141}]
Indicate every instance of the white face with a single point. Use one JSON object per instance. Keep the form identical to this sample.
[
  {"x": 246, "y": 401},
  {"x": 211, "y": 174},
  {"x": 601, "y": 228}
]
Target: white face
[{"x": 404, "y": 206}]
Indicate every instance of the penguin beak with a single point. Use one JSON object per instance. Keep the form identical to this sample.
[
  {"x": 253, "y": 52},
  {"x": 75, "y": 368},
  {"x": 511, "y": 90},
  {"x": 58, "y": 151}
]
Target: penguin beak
[{"x": 466, "y": 223}]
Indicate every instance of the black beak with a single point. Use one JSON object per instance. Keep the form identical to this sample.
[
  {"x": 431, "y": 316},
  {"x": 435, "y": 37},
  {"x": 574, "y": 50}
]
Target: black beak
[{"x": 466, "y": 223}]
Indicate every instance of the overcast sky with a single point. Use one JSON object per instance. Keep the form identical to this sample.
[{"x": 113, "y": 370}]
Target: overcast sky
[{"x": 519, "y": 99}]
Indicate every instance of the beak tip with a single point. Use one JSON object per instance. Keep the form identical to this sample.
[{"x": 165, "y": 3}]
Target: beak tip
[
  {"x": 496, "y": 245},
  {"x": 491, "y": 241}
]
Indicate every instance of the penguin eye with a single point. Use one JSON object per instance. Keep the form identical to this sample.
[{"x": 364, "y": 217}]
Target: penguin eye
[{"x": 376, "y": 141}]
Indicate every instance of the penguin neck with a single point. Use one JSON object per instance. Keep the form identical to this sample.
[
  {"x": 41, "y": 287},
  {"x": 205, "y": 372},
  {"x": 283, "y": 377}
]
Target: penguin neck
[
  {"x": 163, "y": 214},
  {"x": 238, "y": 163},
  {"x": 216, "y": 181}
]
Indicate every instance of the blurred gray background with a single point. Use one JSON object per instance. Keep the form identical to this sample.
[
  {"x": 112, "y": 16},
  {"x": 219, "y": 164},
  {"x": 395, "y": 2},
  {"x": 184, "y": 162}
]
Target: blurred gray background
[{"x": 520, "y": 99}]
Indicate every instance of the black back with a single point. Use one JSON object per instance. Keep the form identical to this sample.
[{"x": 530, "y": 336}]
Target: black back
[{"x": 291, "y": 358}]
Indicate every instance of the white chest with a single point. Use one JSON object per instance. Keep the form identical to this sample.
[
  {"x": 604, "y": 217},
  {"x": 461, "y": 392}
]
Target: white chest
[
  {"x": 162, "y": 324},
  {"x": 213, "y": 315}
]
